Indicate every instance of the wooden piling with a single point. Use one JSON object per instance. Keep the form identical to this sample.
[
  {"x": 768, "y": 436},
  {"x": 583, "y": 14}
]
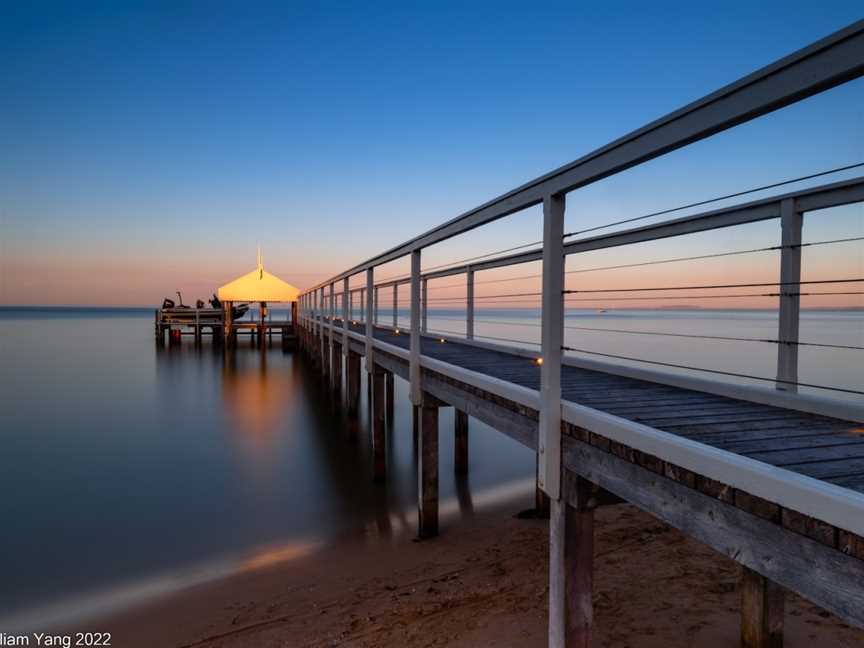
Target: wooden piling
[
  {"x": 571, "y": 565},
  {"x": 762, "y": 608},
  {"x": 377, "y": 379},
  {"x": 427, "y": 469},
  {"x": 460, "y": 444},
  {"x": 336, "y": 374},
  {"x": 390, "y": 386},
  {"x": 325, "y": 355},
  {"x": 353, "y": 383}
]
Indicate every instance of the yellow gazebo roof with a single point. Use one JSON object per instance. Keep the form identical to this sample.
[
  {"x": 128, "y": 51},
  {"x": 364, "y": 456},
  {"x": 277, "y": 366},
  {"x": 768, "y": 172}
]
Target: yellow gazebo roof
[{"x": 258, "y": 286}]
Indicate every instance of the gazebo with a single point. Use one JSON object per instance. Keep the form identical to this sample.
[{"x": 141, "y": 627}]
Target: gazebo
[{"x": 257, "y": 286}]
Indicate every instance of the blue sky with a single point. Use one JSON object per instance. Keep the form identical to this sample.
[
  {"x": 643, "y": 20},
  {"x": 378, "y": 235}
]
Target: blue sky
[{"x": 153, "y": 144}]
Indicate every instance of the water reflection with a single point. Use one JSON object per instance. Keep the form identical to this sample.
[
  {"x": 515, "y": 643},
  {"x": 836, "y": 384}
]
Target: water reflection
[
  {"x": 254, "y": 399},
  {"x": 152, "y": 461}
]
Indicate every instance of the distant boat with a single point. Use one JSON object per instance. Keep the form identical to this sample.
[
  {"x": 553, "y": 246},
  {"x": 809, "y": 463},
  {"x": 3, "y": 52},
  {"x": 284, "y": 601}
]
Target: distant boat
[{"x": 601, "y": 310}]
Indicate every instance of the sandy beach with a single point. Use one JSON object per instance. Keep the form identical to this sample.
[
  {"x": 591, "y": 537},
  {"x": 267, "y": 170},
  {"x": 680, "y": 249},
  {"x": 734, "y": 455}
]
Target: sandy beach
[{"x": 483, "y": 582}]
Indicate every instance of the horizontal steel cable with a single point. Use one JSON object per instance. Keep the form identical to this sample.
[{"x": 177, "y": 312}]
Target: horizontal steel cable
[
  {"x": 714, "y": 371},
  {"x": 714, "y": 286},
  {"x": 715, "y": 337},
  {"x": 773, "y": 248},
  {"x": 461, "y": 261},
  {"x": 659, "y": 333},
  {"x": 719, "y": 198},
  {"x": 617, "y": 299}
]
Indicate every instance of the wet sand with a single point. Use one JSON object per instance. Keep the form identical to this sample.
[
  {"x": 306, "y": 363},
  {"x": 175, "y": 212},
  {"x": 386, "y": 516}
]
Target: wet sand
[{"x": 483, "y": 582}]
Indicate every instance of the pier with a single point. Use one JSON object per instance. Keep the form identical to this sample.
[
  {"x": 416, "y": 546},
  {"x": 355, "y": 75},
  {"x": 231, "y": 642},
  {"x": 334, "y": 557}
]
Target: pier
[
  {"x": 771, "y": 476},
  {"x": 221, "y": 320}
]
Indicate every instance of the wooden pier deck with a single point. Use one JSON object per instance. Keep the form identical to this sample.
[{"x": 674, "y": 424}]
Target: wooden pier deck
[
  {"x": 768, "y": 476},
  {"x": 778, "y": 547},
  {"x": 826, "y": 448}
]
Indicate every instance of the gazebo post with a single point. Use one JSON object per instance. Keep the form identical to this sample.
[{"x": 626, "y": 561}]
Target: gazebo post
[{"x": 261, "y": 287}]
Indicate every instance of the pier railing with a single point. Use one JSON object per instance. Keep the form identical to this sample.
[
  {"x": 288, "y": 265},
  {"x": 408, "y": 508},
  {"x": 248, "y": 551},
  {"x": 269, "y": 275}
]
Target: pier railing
[{"x": 825, "y": 64}]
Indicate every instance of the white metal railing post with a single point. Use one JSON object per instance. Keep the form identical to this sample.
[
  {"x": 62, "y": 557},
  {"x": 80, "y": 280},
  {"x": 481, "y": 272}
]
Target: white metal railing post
[
  {"x": 370, "y": 283},
  {"x": 552, "y": 339},
  {"x": 414, "y": 358},
  {"x": 321, "y": 298},
  {"x": 332, "y": 339},
  {"x": 549, "y": 432},
  {"x": 345, "y": 297},
  {"x": 377, "y": 295},
  {"x": 791, "y": 223},
  {"x": 362, "y": 303},
  {"x": 395, "y": 305},
  {"x": 425, "y": 305},
  {"x": 469, "y": 306}
]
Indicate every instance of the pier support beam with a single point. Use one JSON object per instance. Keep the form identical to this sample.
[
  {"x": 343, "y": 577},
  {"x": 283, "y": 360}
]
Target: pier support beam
[
  {"x": 571, "y": 565},
  {"x": 379, "y": 452},
  {"x": 427, "y": 468},
  {"x": 353, "y": 383},
  {"x": 460, "y": 444},
  {"x": 762, "y": 607},
  {"x": 336, "y": 374},
  {"x": 390, "y": 386}
]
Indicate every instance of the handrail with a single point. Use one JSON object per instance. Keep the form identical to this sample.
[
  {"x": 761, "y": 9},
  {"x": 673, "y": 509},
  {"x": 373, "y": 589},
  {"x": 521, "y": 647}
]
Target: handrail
[
  {"x": 827, "y": 63},
  {"x": 811, "y": 199}
]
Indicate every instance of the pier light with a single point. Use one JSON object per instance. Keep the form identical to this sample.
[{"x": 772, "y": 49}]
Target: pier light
[
  {"x": 396, "y": 331},
  {"x": 442, "y": 340},
  {"x": 539, "y": 361}
]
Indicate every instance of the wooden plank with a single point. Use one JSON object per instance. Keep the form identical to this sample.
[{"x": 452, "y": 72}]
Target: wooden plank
[
  {"x": 853, "y": 482},
  {"x": 813, "y": 454},
  {"x": 821, "y": 574},
  {"x": 634, "y": 401},
  {"x": 780, "y": 442},
  {"x": 718, "y": 423},
  {"x": 707, "y": 430},
  {"x": 720, "y": 439},
  {"x": 516, "y": 425},
  {"x": 662, "y": 423},
  {"x": 809, "y": 526},
  {"x": 684, "y": 412},
  {"x": 827, "y": 469}
]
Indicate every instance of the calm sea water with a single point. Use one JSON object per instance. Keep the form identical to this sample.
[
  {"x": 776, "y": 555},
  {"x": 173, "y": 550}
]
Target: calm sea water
[{"x": 126, "y": 470}]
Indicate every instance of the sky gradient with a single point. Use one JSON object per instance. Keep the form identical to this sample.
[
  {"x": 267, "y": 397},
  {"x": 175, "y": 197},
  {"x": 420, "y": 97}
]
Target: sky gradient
[{"x": 150, "y": 147}]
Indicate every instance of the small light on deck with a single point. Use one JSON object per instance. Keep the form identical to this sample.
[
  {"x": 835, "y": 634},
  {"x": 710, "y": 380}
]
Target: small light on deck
[
  {"x": 539, "y": 361},
  {"x": 441, "y": 340},
  {"x": 396, "y": 331}
]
